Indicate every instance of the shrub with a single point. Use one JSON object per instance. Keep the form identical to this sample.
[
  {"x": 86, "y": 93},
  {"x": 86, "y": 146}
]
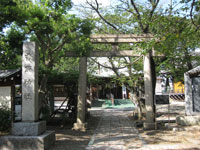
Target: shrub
[
  {"x": 5, "y": 119},
  {"x": 45, "y": 113}
]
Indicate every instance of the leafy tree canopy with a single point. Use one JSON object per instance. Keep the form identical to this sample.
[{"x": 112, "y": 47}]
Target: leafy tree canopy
[
  {"x": 48, "y": 23},
  {"x": 174, "y": 26}
]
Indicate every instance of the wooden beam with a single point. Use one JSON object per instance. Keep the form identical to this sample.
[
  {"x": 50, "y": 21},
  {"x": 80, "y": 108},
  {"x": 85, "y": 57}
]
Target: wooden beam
[
  {"x": 120, "y": 38},
  {"x": 194, "y": 53},
  {"x": 114, "y": 53},
  {"x": 121, "y": 53}
]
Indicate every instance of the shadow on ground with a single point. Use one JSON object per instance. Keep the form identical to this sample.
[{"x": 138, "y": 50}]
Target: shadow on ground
[
  {"x": 98, "y": 103},
  {"x": 68, "y": 139}
]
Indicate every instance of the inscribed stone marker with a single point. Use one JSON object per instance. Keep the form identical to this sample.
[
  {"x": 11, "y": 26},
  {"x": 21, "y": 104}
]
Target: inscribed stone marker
[{"x": 30, "y": 82}]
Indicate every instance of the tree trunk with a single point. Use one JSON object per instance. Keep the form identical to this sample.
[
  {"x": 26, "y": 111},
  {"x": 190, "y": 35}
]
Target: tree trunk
[
  {"x": 43, "y": 95},
  {"x": 138, "y": 107},
  {"x": 153, "y": 67}
]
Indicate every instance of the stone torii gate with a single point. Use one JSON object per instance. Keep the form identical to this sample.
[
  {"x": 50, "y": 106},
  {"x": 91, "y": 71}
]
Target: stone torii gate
[{"x": 114, "y": 40}]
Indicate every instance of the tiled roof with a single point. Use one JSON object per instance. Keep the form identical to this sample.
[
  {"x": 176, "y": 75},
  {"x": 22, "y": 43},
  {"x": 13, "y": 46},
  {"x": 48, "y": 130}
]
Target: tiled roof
[{"x": 7, "y": 73}]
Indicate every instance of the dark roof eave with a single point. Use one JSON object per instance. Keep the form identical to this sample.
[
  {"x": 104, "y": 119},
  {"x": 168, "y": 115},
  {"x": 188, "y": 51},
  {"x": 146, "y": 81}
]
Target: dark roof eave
[{"x": 5, "y": 74}]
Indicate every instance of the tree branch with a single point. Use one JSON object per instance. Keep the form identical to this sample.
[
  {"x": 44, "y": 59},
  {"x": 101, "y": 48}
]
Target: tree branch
[
  {"x": 59, "y": 46},
  {"x": 113, "y": 67},
  {"x": 42, "y": 45},
  {"x": 128, "y": 64},
  {"x": 154, "y": 6},
  {"x": 106, "y": 66},
  {"x": 138, "y": 15},
  {"x": 191, "y": 16},
  {"x": 99, "y": 14}
]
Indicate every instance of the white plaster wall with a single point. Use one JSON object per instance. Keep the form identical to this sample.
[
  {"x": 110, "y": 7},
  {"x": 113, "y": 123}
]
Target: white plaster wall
[
  {"x": 105, "y": 72},
  {"x": 158, "y": 86},
  {"x": 5, "y": 96}
]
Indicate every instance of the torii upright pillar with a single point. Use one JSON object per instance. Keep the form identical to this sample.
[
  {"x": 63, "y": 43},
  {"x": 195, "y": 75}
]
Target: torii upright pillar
[
  {"x": 148, "y": 83},
  {"x": 82, "y": 85}
]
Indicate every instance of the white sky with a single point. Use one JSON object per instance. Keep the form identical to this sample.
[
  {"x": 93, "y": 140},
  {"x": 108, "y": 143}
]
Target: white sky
[
  {"x": 106, "y": 3},
  {"x": 103, "y": 2}
]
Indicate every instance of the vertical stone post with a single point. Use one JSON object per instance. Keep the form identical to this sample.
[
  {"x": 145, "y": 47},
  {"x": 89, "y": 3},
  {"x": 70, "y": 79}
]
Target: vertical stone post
[
  {"x": 29, "y": 125},
  {"x": 188, "y": 94},
  {"x": 30, "y": 133},
  {"x": 30, "y": 82},
  {"x": 81, "y": 105},
  {"x": 148, "y": 83}
]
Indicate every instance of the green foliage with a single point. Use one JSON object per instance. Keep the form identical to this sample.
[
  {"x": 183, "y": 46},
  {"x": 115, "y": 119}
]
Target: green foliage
[
  {"x": 94, "y": 80},
  {"x": 60, "y": 5},
  {"x": 48, "y": 23},
  {"x": 80, "y": 42},
  {"x": 11, "y": 48},
  {"x": 177, "y": 40},
  {"x": 56, "y": 31},
  {"x": 7, "y": 12},
  {"x": 11, "y": 41},
  {"x": 5, "y": 120},
  {"x": 176, "y": 34},
  {"x": 67, "y": 65},
  {"x": 63, "y": 78}
]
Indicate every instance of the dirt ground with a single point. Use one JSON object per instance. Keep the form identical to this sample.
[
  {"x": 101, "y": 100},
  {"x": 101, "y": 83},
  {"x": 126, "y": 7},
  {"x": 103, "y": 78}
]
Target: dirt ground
[
  {"x": 68, "y": 139},
  {"x": 168, "y": 136},
  {"x": 187, "y": 139}
]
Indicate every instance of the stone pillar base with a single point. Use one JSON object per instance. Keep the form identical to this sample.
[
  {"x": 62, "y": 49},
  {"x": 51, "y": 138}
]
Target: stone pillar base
[
  {"x": 41, "y": 142},
  {"x": 149, "y": 126},
  {"x": 188, "y": 120},
  {"x": 80, "y": 126},
  {"x": 28, "y": 128}
]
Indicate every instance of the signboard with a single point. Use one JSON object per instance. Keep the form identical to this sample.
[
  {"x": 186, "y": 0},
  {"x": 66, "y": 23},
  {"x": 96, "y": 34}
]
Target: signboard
[{"x": 161, "y": 99}]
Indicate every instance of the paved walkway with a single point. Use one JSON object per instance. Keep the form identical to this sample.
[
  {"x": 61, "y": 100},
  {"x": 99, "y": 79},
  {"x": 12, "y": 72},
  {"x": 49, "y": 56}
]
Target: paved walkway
[{"x": 115, "y": 132}]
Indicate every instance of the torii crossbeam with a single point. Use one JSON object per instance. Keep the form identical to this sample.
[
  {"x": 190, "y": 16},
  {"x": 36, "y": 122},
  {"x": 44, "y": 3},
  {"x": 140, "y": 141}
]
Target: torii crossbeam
[{"x": 115, "y": 39}]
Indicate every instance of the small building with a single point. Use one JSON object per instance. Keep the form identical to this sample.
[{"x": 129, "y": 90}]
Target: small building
[
  {"x": 59, "y": 96},
  {"x": 178, "y": 87},
  {"x": 192, "y": 98},
  {"x": 103, "y": 89},
  {"x": 165, "y": 85},
  {"x": 10, "y": 91},
  {"x": 192, "y": 91}
]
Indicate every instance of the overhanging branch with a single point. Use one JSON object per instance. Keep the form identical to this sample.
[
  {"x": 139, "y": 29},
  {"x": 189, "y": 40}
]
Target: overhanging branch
[{"x": 96, "y": 9}]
